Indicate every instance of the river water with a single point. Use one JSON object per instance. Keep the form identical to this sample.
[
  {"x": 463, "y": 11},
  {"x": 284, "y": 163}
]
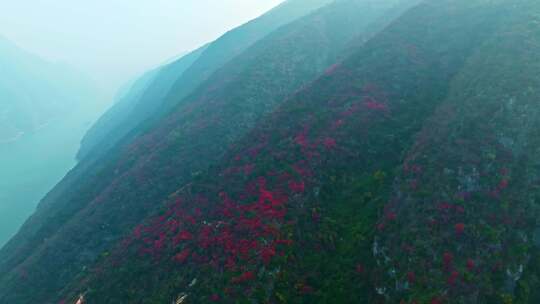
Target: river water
[{"x": 32, "y": 165}]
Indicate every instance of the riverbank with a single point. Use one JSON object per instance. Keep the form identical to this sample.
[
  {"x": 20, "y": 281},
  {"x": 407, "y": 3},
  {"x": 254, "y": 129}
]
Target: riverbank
[{"x": 33, "y": 163}]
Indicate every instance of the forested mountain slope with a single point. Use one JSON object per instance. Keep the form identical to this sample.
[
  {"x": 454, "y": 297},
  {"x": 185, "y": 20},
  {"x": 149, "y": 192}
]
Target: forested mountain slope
[
  {"x": 180, "y": 78},
  {"x": 408, "y": 172},
  {"x": 307, "y": 207},
  {"x": 100, "y": 201},
  {"x": 133, "y": 106},
  {"x": 33, "y": 92},
  {"x": 236, "y": 41},
  {"x": 462, "y": 222},
  {"x": 289, "y": 214}
]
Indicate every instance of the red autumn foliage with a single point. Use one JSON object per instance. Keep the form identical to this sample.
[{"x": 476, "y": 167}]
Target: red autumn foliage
[
  {"x": 329, "y": 143},
  {"x": 137, "y": 232},
  {"x": 444, "y": 206},
  {"x": 453, "y": 278},
  {"x": 285, "y": 242},
  {"x": 301, "y": 140},
  {"x": 459, "y": 228},
  {"x": 267, "y": 254},
  {"x": 436, "y": 300},
  {"x": 244, "y": 277},
  {"x": 182, "y": 256},
  {"x": 411, "y": 277},
  {"x": 184, "y": 236},
  {"x": 306, "y": 289},
  {"x": 297, "y": 187},
  {"x": 448, "y": 259},
  {"x": 243, "y": 225},
  {"x": 503, "y": 184},
  {"x": 374, "y": 105},
  {"x": 160, "y": 243},
  {"x": 391, "y": 216},
  {"x": 338, "y": 123},
  {"x": 248, "y": 169},
  {"x": 331, "y": 69},
  {"x": 470, "y": 264},
  {"x": 360, "y": 269},
  {"x": 231, "y": 263},
  {"x": 416, "y": 169}
]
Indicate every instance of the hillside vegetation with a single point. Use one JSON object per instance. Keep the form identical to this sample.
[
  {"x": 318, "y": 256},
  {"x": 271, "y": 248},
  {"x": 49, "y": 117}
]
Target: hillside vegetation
[{"x": 368, "y": 152}]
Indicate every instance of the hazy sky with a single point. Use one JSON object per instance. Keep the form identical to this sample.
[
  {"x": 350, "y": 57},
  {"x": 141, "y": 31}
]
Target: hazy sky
[{"x": 113, "y": 40}]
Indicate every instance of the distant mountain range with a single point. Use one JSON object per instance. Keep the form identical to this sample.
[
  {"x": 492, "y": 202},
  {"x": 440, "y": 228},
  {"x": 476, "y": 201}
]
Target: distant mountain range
[
  {"x": 184, "y": 75},
  {"x": 361, "y": 151},
  {"x": 33, "y": 92}
]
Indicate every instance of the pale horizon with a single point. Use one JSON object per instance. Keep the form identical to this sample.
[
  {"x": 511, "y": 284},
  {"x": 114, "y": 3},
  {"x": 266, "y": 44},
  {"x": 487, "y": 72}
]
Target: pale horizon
[{"x": 115, "y": 47}]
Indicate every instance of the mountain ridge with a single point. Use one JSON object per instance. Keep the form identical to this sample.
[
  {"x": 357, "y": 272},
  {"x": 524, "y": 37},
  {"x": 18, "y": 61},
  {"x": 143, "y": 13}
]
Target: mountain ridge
[
  {"x": 197, "y": 66},
  {"x": 35, "y": 91},
  {"x": 101, "y": 213},
  {"x": 369, "y": 152}
]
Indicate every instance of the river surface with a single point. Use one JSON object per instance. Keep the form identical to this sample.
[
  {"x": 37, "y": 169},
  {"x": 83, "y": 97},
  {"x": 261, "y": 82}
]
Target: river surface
[{"x": 32, "y": 165}]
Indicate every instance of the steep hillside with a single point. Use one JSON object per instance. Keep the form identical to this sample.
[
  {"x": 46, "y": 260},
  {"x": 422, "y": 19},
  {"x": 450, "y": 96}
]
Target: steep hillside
[
  {"x": 462, "y": 222},
  {"x": 33, "y": 92},
  {"x": 236, "y": 41},
  {"x": 100, "y": 201},
  {"x": 406, "y": 173},
  {"x": 182, "y": 77},
  {"x": 143, "y": 97},
  {"x": 290, "y": 212}
]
